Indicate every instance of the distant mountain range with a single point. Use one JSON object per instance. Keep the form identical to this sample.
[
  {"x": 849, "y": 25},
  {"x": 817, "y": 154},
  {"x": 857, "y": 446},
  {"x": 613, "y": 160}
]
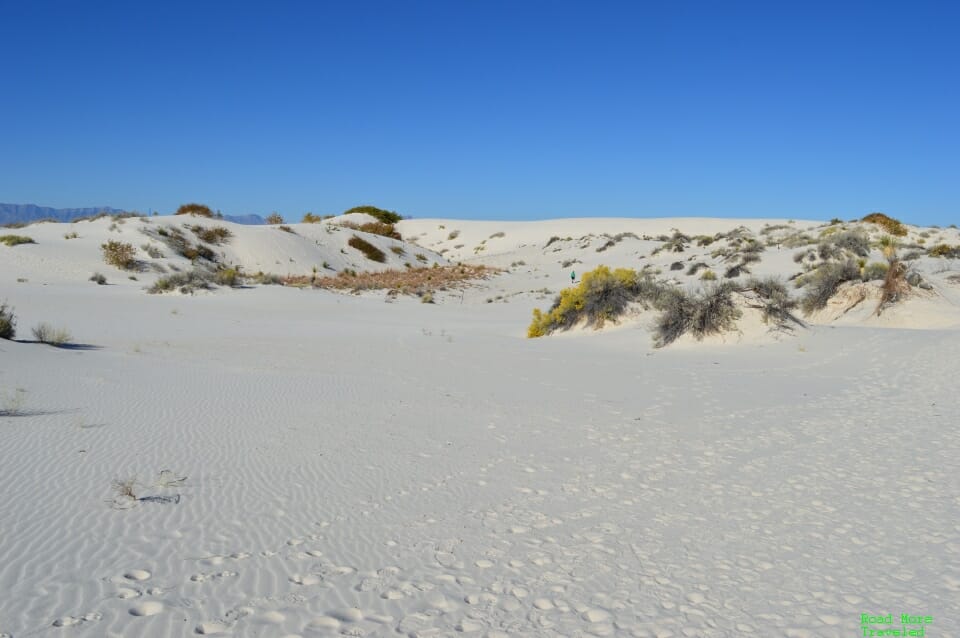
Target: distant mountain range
[{"x": 25, "y": 213}]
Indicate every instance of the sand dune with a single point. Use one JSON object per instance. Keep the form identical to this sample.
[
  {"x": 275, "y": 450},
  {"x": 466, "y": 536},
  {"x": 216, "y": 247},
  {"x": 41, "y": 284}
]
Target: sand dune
[{"x": 306, "y": 462}]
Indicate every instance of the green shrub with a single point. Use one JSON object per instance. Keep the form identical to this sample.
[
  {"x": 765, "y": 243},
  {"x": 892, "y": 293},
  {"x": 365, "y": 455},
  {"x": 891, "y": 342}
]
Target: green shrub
[
  {"x": 385, "y": 216},
  {"x": 889, "y": 224},
  {"x": 45, "y": 333},
  {"x": 15, "y": 240},
  {"x": 372, "y": 252},
  {"x": 119, "y": 254},
  {"x": 8, "y": 322},
  {"x": 195, "y": 209}
]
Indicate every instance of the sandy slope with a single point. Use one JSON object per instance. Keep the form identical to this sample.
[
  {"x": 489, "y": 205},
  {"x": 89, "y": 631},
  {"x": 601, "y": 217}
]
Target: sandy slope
[{"x": 361, "y": 468}]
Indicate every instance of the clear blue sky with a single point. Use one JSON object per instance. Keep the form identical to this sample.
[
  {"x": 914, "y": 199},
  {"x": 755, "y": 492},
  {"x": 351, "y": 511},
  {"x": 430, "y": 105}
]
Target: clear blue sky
[{"x": 520, "y": 109}]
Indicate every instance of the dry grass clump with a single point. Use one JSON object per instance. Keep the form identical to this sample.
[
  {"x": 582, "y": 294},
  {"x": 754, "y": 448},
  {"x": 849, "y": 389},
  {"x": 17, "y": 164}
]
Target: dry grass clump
[
  {"x": 675, "y": 243},
  {"x": 215, "y": 235},
  {"x": 197, "y": 210},
  {"x": 186, "y": 282},
  {"x": 822, "y": 283},
  {"x": 385, "y": 216},
  {"x": 380, "y": 228},
  {"x": 120, "y": 254},
  {"x": 611, "y": 241},
  {"x": 180, "y": 244},
  {"x": 369, "y": 250},
  {"x": 8, "y": 322},
  {"x": 45, "y": 333},
  {"x": 274, "y": 219},
  {"x": 310, "y": 218},
  {"x": 416, "y": 281},
  {"x": 944, "y": 250},
  {"x": 16, "y": 240},
  {"x": 889, "y": 224}
]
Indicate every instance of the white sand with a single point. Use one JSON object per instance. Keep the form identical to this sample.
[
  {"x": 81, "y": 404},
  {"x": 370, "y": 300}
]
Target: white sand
[{"x": 361, "y": 468}]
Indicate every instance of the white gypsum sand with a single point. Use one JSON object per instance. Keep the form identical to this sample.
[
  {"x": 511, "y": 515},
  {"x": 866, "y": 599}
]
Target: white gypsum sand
[{"x": 271, "y": 461}]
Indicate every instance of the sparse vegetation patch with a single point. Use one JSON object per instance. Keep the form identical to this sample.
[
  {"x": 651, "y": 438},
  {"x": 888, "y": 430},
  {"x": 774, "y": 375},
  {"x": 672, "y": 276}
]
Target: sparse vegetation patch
[{"x": 16, "y": 240}]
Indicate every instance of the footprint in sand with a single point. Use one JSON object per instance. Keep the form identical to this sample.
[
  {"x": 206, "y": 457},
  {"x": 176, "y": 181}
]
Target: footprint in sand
[
  {"x": 211, "y": 628},
  {"x": 306, "y": 579},
  {"x": 137, "y": 574},
  {"x": 149, "y": 608},
  {"x": 73, "y": 621}
]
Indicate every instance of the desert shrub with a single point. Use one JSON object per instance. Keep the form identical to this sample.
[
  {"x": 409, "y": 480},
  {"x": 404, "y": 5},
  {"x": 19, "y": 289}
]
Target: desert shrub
[
  {"x": 704, "y": 240},
  {"x": 119, "y": 254},
  {"x": 181, "y": 245},
  {"x": 380, "y": 228},
  {"x": 8, "y": 322},
  {"x": 73, "y": 235},
  {"x": 874, "y": 271},
  {"x": 369, "y": 250},
  {"x": 397, "y": 250},
  {"x": 708, "y": 275},
  {"x": 426, "y": 297},
  {"x": 735, "y": 271},
  {"x": 775, "y": 302},
  {"x": 551, "y": 240},
  {"x": 453, "y": 234},
  {"x": 310, "y": 218},
  {"x": 152, "y": 251},
  {"x": 712, "y": 311},
  {"x": 45, "y": 333},
  {"x": 274, "y": 218},
  {"x": 228, "y": 277},
  {"x": 600, "y": 296},
  {"x": 98, "y": 279},
  {"x": 944, "y": 250},
  {"x": 889, "y": 224},
  {"x": 676, "y": 243},
  {"x": 498, "y": 235},
  {"x": 421, "y": 257},
  {"x": 798, "y": 240},
  {"x": 16, "y": 240},
  {"x": 385, "y": 216},
  {"x": 854, "y": 241},
  {"x": 195, "y": 209},
  {"x": 185, "y": 282},
  {"x": 215, "y": 235},
  {"x": 269, "y": 279},
  {"x": 823, "y": 282}
]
